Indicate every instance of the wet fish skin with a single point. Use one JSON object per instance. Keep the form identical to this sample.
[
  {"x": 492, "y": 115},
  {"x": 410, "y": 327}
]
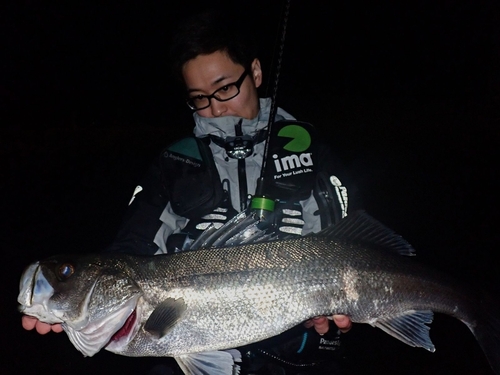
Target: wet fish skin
[{"x": 215, "y": 299}]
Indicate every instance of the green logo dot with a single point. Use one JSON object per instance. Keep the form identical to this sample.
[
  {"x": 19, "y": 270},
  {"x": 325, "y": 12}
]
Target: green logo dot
[{"x": 301, "y": 139}]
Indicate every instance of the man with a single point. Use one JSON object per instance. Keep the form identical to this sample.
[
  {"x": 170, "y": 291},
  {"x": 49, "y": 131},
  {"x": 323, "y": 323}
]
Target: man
[{"x": 221, "y": 73}]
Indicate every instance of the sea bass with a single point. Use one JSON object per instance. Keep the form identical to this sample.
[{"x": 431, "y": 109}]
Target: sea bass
[{"x": 196, "y": 305}]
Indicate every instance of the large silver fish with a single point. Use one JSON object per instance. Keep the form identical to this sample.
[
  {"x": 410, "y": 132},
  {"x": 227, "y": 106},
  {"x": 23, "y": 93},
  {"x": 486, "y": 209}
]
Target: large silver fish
[{"x": 195, "y": 305}]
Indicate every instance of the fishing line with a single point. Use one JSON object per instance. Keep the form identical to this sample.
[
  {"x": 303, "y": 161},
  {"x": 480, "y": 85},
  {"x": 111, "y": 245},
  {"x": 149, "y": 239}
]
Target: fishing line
[{"x": 285, "y": 362}]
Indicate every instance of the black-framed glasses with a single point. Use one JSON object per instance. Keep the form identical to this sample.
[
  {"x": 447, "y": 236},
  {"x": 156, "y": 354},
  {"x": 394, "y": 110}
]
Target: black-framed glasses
[{"x": 225, "y": 93}]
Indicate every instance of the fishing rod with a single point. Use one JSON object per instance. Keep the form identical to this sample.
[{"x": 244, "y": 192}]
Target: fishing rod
[{"x": 261, "y": 204}]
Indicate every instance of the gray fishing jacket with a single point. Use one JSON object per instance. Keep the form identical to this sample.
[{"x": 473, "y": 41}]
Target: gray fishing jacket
[{"x": 150, "y": 219}]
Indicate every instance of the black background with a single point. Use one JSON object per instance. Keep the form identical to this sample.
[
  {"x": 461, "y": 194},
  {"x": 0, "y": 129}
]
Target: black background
[{"x": 407, "y": 94}]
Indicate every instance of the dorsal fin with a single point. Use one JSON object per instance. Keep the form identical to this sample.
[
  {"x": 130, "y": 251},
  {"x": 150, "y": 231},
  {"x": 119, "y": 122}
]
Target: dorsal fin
[{"x": 361, "y": 228}]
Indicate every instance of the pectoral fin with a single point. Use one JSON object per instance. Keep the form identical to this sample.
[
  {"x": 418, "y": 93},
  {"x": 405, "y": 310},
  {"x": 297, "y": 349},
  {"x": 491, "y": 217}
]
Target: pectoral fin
[
  {"x": 165, "y": 316},
  {"x": 411, "y": 328},
  {"x": 210, "y": 363}
]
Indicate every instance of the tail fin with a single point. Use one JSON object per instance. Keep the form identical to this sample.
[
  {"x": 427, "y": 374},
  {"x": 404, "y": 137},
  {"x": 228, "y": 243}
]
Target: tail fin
[{"x": 487, "y": 332}]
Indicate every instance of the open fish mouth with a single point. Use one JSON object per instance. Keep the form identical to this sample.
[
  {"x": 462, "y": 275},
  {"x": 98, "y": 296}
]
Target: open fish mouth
[
  {"x": 114, "y": 328},
  {"x": 34, "y": 295}
]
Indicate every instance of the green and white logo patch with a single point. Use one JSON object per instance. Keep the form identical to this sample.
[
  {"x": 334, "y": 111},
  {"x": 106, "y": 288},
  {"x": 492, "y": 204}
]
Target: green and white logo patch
[{"x": 301, "y": 139}]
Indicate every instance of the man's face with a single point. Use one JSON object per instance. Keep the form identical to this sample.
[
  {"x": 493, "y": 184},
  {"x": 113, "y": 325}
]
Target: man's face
[{"x": 206, "y": 73}]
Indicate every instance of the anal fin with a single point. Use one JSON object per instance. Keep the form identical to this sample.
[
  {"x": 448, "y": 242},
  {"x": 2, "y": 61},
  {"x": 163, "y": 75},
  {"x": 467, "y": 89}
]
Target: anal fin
[{"x": 411, "y": 328}]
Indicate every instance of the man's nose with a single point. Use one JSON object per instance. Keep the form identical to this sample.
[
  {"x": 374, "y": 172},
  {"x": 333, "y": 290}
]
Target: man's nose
[{"x": 217, "y": 108}]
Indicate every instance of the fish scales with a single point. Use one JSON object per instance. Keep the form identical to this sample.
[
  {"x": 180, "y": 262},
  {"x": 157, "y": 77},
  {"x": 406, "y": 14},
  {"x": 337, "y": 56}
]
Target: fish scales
[
  {"x": 259, "y": 292},
  {"x": 252, "y": 292}
]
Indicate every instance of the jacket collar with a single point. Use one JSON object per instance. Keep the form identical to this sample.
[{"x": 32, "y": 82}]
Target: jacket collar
[{"x": 224, "y": 127}]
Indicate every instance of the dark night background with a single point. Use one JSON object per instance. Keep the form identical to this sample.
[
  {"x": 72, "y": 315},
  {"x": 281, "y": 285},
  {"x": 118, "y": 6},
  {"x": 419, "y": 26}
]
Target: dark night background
[{"x": 408, "y": 94}]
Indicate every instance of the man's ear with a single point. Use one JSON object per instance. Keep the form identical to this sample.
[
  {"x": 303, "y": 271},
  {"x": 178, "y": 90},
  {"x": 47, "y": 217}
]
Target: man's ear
[{"x": 256, "y": 72}]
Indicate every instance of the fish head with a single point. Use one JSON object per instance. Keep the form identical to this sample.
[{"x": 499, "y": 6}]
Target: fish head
[{"x": 94, "y": 298}]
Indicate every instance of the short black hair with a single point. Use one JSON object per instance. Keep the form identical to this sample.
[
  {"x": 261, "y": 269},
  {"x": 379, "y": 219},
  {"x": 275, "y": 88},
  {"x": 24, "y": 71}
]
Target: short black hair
[{"x": 209, "y": 32}]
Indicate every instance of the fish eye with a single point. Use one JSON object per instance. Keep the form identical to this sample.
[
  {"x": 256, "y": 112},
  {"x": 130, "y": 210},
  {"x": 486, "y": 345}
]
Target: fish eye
[{"x": 66, "y": 270}]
